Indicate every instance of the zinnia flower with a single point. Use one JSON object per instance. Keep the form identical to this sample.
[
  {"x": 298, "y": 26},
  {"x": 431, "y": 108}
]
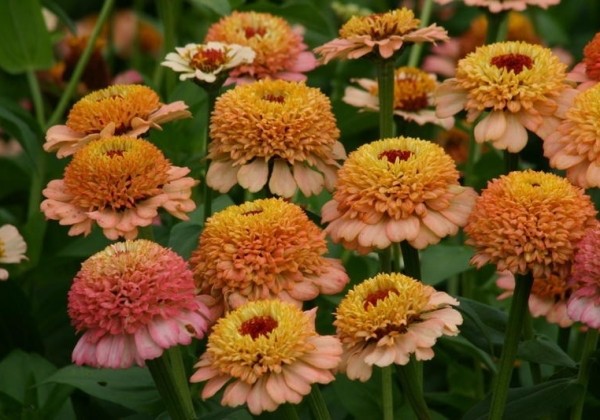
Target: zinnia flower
[
  {"x": 496, "y": 6},
  {"x": 270, "y": 352},
  {"x": 413, "y": 96},
  {"x": 575, "y": 144},
  {"x": 519, "y": 84},
  {"x": 584, "y": 303},
  {"x": 12, "y": 248},
  {"x": 387, "y": 318},
  {"x": 529, "y": 221},
  {"x": 117, "y": 110},
  {"x": 588, "y": 71},
  {"x": 280, "y": 50},
  {"x": 264, "y": 249},
  {"x": 397, "y": 189},
  {"x": 261, "y": 130},
  {"x": 118, "y": 183},
  {"x": 207, "y": 62}
]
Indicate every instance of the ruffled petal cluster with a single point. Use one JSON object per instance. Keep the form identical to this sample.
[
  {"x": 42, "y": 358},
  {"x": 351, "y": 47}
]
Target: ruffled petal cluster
[
  {"x": 497, "y": 6},
  {"x": 588, "y": 71},
  {"x": 12, "y": 248}
]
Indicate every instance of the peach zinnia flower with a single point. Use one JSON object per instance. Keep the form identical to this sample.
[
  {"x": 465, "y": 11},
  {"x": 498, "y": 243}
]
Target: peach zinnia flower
[
  {"x": 280, "y": 50},
  {"x": 575, "y": 144},
  {"x": 117, "y": 110},
  {"x": 264, "y": 249},
  {"x": 12, "y": 248},
  {"x": 270, "y": 352},
  {"x": 496, "y": 6},
  {"x": 118, "y": 183},
  {"x": 588, "y": 71},
  {"x": 519, "y": 84},
  {"x": 380, "y": 34},
  {"x": 397, "y": 189},
  {"x": 529, "y": 221},
  {"x": 261, "y": 130},
  {"x": 413, "y": 96},
  {"x": 133, "y": 300},
  {"x": 387, "y": 318}
]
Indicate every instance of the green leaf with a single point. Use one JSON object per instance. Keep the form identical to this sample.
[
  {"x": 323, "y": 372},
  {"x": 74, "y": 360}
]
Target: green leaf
[
  {"x": 483, "y": 325},
  {"x": 16, "y": 122},
  {"x": 220, "y": 7},
  {"x": 25, "y": 40},
  {"x": 544, "y": 351},
  {"x": 440, "y": 262},
  {"x": 184, "y": 238}
]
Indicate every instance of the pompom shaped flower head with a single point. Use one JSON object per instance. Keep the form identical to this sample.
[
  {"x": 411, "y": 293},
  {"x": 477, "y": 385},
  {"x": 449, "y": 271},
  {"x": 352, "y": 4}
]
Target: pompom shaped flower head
[
  {"x": 12, "y": 248},
  {"x": 117, "y": 110},
  {"x": 497, "y": 6},
  {"x": 205, "y": 63},
  {"x": 132, "y": 301},
  {"x": 118, "y": 183},
  {"x": 521, "y": 85},
  {"x": 264, "y": 249},
  {"x": 413, "y": 96},
  {"x": 588, "y": 71},
  {"x": 379, "y": 35},
  {"x": 270, "y": 352},
  {"x": 397, "y": 189},
  {"x": 273, "y": 124},
  {"x": 280, "y": 50},
  {"x": 529, "y": 222},
  {"x": 389, "y": 317}
]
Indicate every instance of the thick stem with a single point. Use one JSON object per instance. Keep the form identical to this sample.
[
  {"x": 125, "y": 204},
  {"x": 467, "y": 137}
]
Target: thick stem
[
  {"x": 206, "y": 190},
  {"x": 589, "y": 347},
  {"x": 417, "y": 49},
  {"x": 413, "y": 390},
  {"x": 412, "y": 266},
  {"x": 385, "y": 86},
  {"x": 317, "y": 404},
  {"x": 167, "y": 11},
  {"x": 387, "y": 399},
  {"x": 36, "y": 96}
]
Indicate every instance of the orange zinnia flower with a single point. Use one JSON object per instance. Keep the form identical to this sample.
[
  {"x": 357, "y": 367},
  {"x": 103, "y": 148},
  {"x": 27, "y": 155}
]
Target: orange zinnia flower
[
  {"x": 588, "y": 71},
  {"x": 497, "y": 6}
]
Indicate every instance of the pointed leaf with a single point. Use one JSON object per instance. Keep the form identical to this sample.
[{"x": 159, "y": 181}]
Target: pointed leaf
[{"x": 542, "y": 350}]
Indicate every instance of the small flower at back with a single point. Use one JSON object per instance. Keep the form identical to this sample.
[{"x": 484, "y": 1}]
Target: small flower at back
[
  {"x": 266, "y": 353},
  {"x": 117, "y": 110},
  {"x": 132, "y": 301},
  {"x": 496, "y": 6},
  {"x": 12, "y": 248},
  {"x": 588, "y": 71}
]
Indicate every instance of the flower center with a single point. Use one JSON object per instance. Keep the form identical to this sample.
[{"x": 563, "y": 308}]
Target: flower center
[
  {"x": 591, "y": 58},
  {"x": 274, "y": 98},
  {"x": 257, "y": 326},
  {"x": 381, "y": 25},
  {"x": 375, "y": 297},
  {"x": 2, "y": 249},
  {"x": 252, "y": 212},
  {"x": 393, "y": 156},
  {"x": 115, "y": 153},
  {"x": 512, "y": 62},
  {"x": 209, "y": 59},
  {"x": 251, "y": 31}
]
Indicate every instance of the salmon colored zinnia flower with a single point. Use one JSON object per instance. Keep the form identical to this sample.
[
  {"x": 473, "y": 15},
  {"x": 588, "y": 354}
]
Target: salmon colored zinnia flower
[
  {"x": 519, "y": 84},
  {"x": 261, "y": 130},
  {"x": 588, "y": 71},
  {"x": 497, "y": 6},
  {"x": 397, "y": 189},
  {"x": 118, "y": 183},
  {"x": 270, "y": 352},
  {"x": 382, "y": 34},
  {"x": 133, "y": 300},
  {"x": 280, "y": 49},
  {"x": 12, "y": 248},
  {"x": 264, "y": 249},
  {"x": 529, "y": 221},
  {"x": 117, "y": 110},
  {"x": 387, "y": 318}
]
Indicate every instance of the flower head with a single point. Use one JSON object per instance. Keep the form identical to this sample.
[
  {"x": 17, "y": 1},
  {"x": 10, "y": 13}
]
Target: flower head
[
  {"x": 12, "y": 248},
  {"x": 280, "y": 50},
  {"x": 497, "y": 6},
  {"x": 529, "y": 221},
  {"x": 518, "y": 83},
  {"x": 270, "y": 352},
  {"x": 119, "y": 183},
  {"x": 274, "y": 123},
  {"x": 380, "y": 34},
  {"x": 133, "y": 300},
  {"x": 387, "y": 318},
  {"x": 117, "y": 110},
  {"x": 264, "y": 249},
  {"x": 393, "y": 190},
  {"x": 588, "y": 71},
  {"x": 208, "y": 62}
]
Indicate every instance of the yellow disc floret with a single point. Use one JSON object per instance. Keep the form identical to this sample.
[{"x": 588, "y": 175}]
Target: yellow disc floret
[{"x": 382, "y": 25}]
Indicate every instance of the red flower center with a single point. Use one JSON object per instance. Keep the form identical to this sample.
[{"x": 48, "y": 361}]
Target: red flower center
[
  {"x": 257, "y": 326},
  {"x": 209, "y": 59},
  {"x": 252, "y": 212},
  {"x": 514, "y": 62},
  {"x": 250, "y": 32},
  {"x": 373, "y": 298},
  {"x": 274, "y": 98},
  {"x": 394, "y": 155},
  {"x": 113, "y": 153}
]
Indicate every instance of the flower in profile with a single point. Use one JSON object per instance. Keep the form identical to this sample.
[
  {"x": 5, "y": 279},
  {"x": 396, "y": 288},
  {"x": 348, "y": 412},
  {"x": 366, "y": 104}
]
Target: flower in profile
[
  {"x": 497, "y": 6},
  {"x": 413, "y": 96},
  {"x": 208, "y": 62},
  {"x": 118, "y": 183},
  {"x": 379, "y": 35},
  {"x": 128, "y": 110},
  {"x": 529, "y": 222},
  {"x": 584, "y": 303},
  {"x": 262, "y": 130},
  {"x": 280, "y": 50},
  {"x": 264, "y": 249},
  {"x": 12, "y": 248},
  {"x": 269, "y": 352},
  {"x": 588, "y": 71},
  {"x": 132, "y": 301},
  {"x": 575, "y": 144},
  {"x": 456, "y": 143},
  {"x": 393, "y": 190},
  {"x": 389, "y": 317},
  {"x": 521, "y": 86}
]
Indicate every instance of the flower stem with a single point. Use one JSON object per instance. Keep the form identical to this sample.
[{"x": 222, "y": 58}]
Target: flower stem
[
  {"x": 412, "y": 266},
  {"x": 36, "y": 95},
  {"x": 317, "y": 404},
  {"x": 589, "y": 347},
  {"x": 206, "y": 190},
  {"x": 387, "y": 399},
  {"x": 413, "y": 390},
  {"x": 518, "y": 310},
  {"x": 529, "y": 334},
  {"x": 287, "y": 411},
  {"x": 167, "y": 10},
  {"x": 497, "y": 27},
  {"x": 385, "y": 86},
  {"x": 417, "y": 48}
]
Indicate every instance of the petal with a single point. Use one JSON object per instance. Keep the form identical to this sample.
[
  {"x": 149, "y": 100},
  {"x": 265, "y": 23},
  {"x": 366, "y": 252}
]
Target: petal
[
  {"x": 281, "y": 182},
  {"x": 253, "y": 176}
]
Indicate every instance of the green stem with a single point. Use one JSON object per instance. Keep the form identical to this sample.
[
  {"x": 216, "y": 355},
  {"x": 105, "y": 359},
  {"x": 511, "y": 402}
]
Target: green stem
[
  {"x": 417, "y": 49},
  {"x": 529, "y": 334},
  {"x": 36, "y": 95},
  {"x": 518, "y": 309},
  {"x": 287, "y": 411},
  {"x": 589, "y": 348},
  {"x": 497, "y": 27},
  {"x": 412, "y": 266},
  {"x": 317, "y": 404},
  {"x": 206, "y": 190},
  {"x": 385, "y": 86},
  {"x": 564, "y": 337},
  {"x": 413, "y": 390},
  {"x": 387, "y": 399},
  {"x": 167, "y": 11},
  {"x": 80, "y": 67}
]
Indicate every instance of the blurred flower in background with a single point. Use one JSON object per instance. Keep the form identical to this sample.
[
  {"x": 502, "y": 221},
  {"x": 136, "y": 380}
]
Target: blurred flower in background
[
  {"x": 496, "y": 6},
  {"x": 588, "y": 71},
  {"x": 12, "y": 248}
]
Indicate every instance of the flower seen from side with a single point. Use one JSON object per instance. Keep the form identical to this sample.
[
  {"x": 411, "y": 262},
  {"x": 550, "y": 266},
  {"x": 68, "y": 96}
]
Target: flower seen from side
[
  {"x": 12, "y": 248},
  {"x": 265, "y": 354},
  {"x": 588, "y": 71}
]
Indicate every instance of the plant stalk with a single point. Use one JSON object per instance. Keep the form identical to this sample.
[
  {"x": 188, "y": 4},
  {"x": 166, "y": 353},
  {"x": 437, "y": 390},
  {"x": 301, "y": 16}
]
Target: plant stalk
[
  {"x": 417, "y": 48},
  {"x": 413, "y": 389},
  {"x": 589, "y": 348},
  {"x": 385, "y": 86},
  {"x": 317, "y": 404},
  {"x": 387, "y": 399}
]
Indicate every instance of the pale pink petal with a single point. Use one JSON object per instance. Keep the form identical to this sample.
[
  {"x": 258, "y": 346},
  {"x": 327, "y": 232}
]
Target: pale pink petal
[
  {"x": 281, "y": 182},
  {"x": 491, "y": 128},
  {"x": 309, "y": 181},
  {"x": 221, "y": 175},
  {"x": 253, "y": 176}
]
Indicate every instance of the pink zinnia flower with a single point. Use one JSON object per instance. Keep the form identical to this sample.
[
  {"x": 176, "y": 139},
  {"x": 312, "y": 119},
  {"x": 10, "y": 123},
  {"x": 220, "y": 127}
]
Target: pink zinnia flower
[
  {"x": 12, "y": 248},
  {"x": 588, "y": 71},
  {"x": 496, "y": 6},
  {"x": 133, "y": 300}
]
